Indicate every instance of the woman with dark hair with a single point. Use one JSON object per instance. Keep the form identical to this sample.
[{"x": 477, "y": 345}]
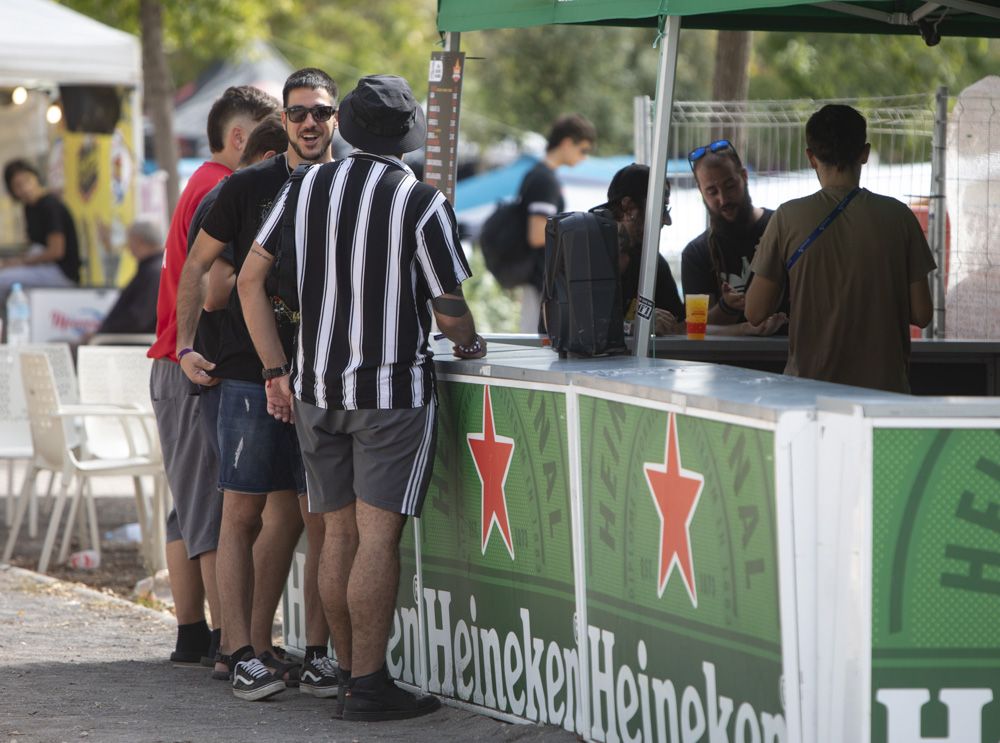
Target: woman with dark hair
[{"x": 53, "y": 259}]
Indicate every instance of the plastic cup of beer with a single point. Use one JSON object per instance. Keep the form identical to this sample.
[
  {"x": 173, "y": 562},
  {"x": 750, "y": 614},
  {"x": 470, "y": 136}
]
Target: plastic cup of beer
[{"x": 696, "y": 308}]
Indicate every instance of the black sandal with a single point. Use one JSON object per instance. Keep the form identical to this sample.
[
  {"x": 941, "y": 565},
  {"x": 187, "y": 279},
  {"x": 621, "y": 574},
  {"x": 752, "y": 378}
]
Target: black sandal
[
  {"x": 288, "y": 671},
  {"x": 226, "y": 675}
]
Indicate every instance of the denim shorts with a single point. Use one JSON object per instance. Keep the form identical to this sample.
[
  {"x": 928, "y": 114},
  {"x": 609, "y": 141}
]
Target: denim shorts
[{"x": 258, "y": 454}]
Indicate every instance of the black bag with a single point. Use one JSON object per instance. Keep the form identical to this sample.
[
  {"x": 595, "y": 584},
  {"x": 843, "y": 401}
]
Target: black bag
[
  {"x": 582, "y": 295},
  {"x": 504, "y": 242},
  {"x": 281, "y": 283}
]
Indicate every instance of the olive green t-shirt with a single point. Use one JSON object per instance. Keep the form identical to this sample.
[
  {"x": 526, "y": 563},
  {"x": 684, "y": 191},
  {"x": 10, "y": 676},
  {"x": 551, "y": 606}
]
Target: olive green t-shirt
[{"x": 850, "y": 291}]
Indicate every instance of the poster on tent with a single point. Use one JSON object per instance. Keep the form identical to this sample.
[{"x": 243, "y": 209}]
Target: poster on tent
[
  {"x": 97, "y": 179},
  {"x": 444, "y": 96}
]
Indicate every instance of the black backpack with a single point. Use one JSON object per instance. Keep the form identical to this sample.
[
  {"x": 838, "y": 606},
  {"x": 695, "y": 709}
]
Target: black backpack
[
  {"x": 504, "y": 242},
  {"x": 582, "y": 295}
]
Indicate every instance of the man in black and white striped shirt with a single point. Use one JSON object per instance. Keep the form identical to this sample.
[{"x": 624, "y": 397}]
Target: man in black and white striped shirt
[{"x": 373, "y": 247}]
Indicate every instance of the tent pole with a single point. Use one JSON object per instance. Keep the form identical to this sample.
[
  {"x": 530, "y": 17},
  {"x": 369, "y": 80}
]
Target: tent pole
[
  {"x": 452, "y": 41},
  {"x": 658, "y": 169}
]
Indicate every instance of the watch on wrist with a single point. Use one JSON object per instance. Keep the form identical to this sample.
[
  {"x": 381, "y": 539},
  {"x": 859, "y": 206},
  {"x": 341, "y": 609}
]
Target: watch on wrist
[{"x": 276, "y": 371}]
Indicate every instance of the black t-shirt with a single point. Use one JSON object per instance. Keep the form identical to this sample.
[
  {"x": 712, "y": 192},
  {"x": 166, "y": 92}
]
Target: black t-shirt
[
  {"x": 49, "y": 215},
  {"x": 541, "y": 194},
  {"x": 667, "y": 297},
  {"x": 135, "y": 309},
  {"x": 208, "y": 336},
  {"x": 700, "y": 274},
  {"x": 239, "y": 210}
]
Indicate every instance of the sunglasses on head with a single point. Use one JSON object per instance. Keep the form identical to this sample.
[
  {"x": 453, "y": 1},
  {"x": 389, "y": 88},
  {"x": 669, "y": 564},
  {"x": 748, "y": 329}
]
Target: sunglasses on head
[
  {"x": 719, "y": 145},
  {"x": 297, "y": 114}
]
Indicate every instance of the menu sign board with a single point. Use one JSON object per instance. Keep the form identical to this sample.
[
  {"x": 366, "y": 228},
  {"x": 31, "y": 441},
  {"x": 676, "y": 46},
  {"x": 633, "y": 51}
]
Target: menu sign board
[{"x": 443, "y": 96}]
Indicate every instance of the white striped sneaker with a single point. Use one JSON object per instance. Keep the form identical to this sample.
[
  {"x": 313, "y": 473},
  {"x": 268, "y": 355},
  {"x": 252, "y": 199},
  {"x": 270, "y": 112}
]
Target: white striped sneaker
[
  {"x": 253, "y": 682},
  {"x": 319, "y": 677}
]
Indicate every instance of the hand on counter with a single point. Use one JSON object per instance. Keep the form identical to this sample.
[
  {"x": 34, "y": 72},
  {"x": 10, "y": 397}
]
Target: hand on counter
[
  {"x": 770, "y": 326},
  {"x": 667, "y": 324}
]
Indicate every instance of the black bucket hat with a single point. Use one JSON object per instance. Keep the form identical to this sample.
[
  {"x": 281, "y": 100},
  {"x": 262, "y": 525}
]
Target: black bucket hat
[{"x": 381, "y": 116}]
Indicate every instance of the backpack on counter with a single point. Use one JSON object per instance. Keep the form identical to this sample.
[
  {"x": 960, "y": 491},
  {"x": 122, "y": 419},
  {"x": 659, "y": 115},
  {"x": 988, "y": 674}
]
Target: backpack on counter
[
  {"x": 504, "y": 242},
  {"x": 582, "y": 296}
]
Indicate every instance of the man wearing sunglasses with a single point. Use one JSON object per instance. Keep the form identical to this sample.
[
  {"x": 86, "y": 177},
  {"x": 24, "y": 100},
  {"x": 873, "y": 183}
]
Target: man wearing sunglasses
[
  {"x": 717, "y": 262},
  {"x": 260, "y": 463}
]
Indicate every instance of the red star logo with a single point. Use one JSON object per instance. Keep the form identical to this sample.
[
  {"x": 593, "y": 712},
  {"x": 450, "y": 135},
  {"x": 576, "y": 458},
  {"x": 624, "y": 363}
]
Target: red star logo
[
  {"x": 675, "y": 493},
  {"x": 492, "y": 455}
]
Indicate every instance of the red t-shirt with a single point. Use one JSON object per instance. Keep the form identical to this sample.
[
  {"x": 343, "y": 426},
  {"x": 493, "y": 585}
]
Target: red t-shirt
[{"x": 201, "y": 182}]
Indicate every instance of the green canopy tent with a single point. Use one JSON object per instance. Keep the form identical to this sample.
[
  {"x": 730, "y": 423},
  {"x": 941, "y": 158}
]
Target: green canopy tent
[{"x": 931, "y": 20}]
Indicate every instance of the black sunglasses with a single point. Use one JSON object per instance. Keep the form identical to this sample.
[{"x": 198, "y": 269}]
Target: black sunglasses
[
  {"x": 719, "y": 145},
  {"x": 297, "y": 114}
]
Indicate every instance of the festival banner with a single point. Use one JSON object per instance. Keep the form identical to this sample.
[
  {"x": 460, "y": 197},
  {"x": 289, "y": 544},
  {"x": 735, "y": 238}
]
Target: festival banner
[
  {"x": 935, "y": 585},
  {"x": 682, "y": 577},
  {"x": 496, "y": 554}
]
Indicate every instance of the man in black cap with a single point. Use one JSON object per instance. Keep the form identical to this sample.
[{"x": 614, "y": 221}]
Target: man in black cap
[
  {"x": 627, "y": 204},
  {"x": 373, "y": 245}
]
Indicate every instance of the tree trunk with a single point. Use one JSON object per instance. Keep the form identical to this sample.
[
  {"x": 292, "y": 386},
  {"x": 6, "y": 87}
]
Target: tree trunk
[
  {"x": 731, "y": 81},
  {"x": 159, "y": 95}
]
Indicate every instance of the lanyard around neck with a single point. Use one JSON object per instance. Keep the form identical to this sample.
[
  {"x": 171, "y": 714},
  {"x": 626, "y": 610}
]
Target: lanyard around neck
[{"x": 837, "y": 211}]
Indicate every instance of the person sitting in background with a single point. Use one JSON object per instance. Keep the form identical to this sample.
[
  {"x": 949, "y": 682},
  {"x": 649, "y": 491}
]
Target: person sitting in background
[
  {"x": 135, "y": 310},
  {"x": 53, "y": 260},
  {"x": 627, "y": 204}
]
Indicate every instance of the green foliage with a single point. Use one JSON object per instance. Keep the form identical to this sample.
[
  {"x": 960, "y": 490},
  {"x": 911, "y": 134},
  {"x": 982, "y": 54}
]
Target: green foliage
[
  {"x": 527, "y": 77},
  {"x": 496, "y": 310},
  {"x": 787, "y": 65}
]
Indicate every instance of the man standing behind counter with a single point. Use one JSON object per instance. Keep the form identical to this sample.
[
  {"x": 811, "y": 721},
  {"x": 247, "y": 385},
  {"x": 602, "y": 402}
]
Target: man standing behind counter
[
  {"x": 856, "y": 265},
  {"x": 717, "y": 262}
]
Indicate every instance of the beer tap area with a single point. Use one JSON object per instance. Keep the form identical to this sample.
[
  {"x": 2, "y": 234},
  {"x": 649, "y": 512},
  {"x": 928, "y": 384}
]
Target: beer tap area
[{"x": 653, "y": 549}]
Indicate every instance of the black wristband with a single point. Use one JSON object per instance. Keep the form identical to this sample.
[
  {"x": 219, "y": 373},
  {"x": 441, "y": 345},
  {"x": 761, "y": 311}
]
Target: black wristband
[{"x": 475, "y": 347}]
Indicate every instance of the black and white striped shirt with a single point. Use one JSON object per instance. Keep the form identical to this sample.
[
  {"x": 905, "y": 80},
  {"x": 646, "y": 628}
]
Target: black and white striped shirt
[{"x": 373, "y": 246}]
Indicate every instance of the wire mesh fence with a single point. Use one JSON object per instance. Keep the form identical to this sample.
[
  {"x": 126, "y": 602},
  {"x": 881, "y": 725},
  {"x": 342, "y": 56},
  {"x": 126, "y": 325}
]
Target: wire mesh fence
[
  {"x": 770, "y": 137},
  {"x": 972, "y": 247}
]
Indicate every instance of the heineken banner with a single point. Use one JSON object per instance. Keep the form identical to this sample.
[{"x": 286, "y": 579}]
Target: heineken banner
[
  {"x": 496, "y": 554},
  {"x": 681, "y": 577},
  {"x": 935, "y": 586}
]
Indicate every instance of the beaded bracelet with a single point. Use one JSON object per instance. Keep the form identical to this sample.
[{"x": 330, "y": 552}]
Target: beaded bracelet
[{"x": 475, "y": 347}]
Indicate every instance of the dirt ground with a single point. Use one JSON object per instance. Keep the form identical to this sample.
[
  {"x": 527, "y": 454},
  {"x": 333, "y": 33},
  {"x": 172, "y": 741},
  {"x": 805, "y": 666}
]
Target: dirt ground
[
  {"x": 121, "y": 567},
  {"x": 81, "y": 665}
]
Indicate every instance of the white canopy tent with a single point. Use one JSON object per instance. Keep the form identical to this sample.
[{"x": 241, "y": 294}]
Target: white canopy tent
[{"x": 44, "y": 43}]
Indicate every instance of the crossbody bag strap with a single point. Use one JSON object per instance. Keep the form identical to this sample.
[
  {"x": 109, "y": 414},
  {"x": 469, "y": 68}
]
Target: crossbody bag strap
[{"x": 837, "y": 211}]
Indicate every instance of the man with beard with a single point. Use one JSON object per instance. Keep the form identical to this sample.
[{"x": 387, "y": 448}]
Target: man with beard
[
  {"x": 260, "y": 461},
  {"x": 717, "y": 262}
]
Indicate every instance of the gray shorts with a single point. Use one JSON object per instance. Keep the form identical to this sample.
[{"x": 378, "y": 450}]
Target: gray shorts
[
  {"x": 189, "y": 458},
  {"x": 383, "y": 457}
]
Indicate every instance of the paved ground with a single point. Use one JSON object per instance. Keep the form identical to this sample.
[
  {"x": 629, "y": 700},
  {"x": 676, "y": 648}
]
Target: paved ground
[{"x": 81, "y": 665}]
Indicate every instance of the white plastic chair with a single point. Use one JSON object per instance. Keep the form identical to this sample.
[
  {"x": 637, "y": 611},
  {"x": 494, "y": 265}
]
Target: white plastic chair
[
  {"x": 119, "y": 375},
  {"x": 54, "y": 452},
  {"x": 15, "y": 431}
]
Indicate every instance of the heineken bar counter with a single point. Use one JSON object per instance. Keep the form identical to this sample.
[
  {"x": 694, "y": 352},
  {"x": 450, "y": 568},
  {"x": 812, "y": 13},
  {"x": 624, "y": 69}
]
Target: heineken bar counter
[{"x": 653, "y": 550}]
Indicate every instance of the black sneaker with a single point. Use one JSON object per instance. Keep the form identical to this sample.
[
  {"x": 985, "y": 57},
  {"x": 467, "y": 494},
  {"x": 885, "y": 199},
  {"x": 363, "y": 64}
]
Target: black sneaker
[
  {"x": 208, "y": 659},
  {"x": 253, "y": 682},
  {"x": 318, "y": 678},
  {"x": 377, "y": 698}
]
